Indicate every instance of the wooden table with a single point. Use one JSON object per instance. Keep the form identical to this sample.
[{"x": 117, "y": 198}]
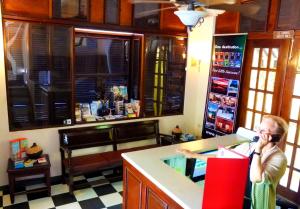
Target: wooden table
[
  {"x": 166, "y": 139},
  {"x": 37, "y": 169}
]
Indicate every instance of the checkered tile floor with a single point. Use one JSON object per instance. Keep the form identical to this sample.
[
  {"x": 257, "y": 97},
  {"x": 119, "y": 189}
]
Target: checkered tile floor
[{"x": 102, "y": 193}]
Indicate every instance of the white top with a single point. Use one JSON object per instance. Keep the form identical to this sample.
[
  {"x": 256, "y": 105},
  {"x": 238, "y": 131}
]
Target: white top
[{"x": 181, "y": 189}]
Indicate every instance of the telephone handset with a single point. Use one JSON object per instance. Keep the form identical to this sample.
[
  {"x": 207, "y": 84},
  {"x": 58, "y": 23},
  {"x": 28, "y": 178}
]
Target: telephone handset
[
  {"x": 255, "y": 139},
  {"x": 275, "y": 138}
]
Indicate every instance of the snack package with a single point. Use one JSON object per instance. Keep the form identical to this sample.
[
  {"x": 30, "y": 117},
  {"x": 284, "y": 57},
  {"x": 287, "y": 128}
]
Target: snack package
[
  {"x": 119, "y": 107},
  {"x": 129, "y": 110},
  {"x": 19, "y": 164},
  {"x": 78, "y": 112},
  {"x": 18, "y": 148},
  {"x": 85, "y": 110},
  {"x": 120, "y": 93},
  {"x": 123, "y": 91},
  {"x": 136, "y": 107},
  {"x": 42, "y": 160},
  {"x": 95, "y": 106},
  {"x": 29, "y": 163}
]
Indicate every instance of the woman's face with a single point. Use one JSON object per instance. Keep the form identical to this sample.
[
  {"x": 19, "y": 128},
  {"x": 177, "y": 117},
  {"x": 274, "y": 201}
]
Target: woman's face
[{"x": 267, "y": 126}]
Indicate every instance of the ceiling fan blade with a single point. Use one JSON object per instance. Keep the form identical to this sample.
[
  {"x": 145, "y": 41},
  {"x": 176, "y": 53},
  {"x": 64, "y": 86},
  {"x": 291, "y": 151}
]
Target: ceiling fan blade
[
  {"x": 151, "y": 12},
  {"x": 248, "y": 10},
  {"x": 217, "y": 2},
  {"x": 150, "y": 2}
]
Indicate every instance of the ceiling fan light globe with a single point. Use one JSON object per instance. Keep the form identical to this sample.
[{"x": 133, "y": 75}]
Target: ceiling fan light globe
[{"x": 190, "y": 17}]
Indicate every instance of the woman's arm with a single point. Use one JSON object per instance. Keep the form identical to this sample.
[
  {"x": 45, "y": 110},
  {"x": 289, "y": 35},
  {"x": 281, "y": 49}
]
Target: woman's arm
[
  {"x": 256, "y": 169},
  {"x": 190, "y": 154}
]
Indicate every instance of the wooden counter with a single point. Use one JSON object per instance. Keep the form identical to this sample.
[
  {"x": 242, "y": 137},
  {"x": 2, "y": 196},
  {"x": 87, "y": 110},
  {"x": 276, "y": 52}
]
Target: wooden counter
[{"x": 149, "y": 183}]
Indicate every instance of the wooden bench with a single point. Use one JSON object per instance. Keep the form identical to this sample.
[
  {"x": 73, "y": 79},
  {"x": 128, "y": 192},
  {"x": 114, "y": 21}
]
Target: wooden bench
[{"x": 102, "y": 135}]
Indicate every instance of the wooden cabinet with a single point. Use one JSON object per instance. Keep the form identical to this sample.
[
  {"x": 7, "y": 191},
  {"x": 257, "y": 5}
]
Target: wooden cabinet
[
  {"x": 113, "y": 13},
  {"x": 146, "y": 21},
  {"x": 233, "y": 22},
  {"x": 125, "y": 13},
  {"x": 140, "y": 193},
  {"x": 288, "y": 17},
  {"x": 169, "y": 21},
  {"x": 75, "y": 9},
  {"x": 96, "y": 11},
  {"x": 264, "y": 20},
  {"x": 227, "y": 22},
  {"x": 29, "y": 8}
]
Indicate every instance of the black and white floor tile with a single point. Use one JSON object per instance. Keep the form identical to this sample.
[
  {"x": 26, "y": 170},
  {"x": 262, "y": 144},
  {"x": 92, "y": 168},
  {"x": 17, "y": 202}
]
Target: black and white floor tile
[{"x": 102, "y": 194}]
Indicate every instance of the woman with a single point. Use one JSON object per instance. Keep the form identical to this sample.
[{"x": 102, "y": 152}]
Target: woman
[{"x": 268, "y": 163}]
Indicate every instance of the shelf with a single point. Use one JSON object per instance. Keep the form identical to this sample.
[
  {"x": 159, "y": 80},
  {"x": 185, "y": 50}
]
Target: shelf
[
  {"x": 99, "y": 121},
  {"x": 100, "y": 74}
]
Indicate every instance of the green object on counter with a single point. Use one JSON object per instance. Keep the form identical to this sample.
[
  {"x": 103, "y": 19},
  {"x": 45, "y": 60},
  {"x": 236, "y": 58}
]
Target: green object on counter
[{"x": 178, "y": 163}]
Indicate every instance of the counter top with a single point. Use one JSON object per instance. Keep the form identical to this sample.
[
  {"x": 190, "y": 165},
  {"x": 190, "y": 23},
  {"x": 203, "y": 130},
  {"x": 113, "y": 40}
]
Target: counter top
[{"x": 180, "y": 188}]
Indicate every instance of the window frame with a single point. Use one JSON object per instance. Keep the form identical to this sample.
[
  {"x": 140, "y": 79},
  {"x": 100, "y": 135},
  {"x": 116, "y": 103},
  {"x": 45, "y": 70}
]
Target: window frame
[
  {"x": 118, "y": 15},
  {"x": 288, "y": 95},
  {"x": 291, "y": 26},
  {"x": 129, "y": 38},
  {"x": 141, "y": 77},
  {"x": 166, "y": 61},
  {"x": 247, "y": 18},
  {"x": 85, "y": 19},
  {"x": 8, "y": 99}
]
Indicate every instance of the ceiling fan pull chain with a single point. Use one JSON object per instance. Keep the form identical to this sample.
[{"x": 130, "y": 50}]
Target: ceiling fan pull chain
[{"x": 201, "y": 20}]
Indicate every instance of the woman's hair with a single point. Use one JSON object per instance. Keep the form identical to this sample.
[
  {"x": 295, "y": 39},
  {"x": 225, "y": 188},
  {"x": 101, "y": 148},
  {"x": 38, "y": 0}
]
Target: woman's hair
[{"x": 281, "y": 125}]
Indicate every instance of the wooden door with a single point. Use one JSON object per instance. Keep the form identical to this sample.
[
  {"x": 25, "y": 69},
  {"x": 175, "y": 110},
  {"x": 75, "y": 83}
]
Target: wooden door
[
  {"x": 271, "y": 85},
  {"x": 263, "y": 77},
  {"x": 290, "y": 183}
]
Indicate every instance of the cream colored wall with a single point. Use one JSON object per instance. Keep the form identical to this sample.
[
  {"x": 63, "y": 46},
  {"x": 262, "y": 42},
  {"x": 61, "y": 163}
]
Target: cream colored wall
[
  {"x": 200, "y": 45},
  {"x": 191, "y": 121}
]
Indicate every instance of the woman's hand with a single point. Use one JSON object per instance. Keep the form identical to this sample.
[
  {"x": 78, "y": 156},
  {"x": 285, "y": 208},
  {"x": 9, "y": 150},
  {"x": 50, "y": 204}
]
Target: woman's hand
[
  {"x": 263, "y": 141},
  {"x": 186, "y": 153}
]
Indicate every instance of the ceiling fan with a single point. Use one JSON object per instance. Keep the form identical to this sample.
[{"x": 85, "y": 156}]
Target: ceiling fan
[{"x": 192, "y": 12}]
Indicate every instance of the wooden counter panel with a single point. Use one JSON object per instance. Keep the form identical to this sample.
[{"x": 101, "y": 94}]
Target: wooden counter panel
[
  {"x": 132, "y": 190},
  {"x": 140, "y": 193},
  {"x": 154, "y": 201}
]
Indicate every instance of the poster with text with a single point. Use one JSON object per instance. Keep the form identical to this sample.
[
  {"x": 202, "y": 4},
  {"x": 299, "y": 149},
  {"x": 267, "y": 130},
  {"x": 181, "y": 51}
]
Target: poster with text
[{"x": 224, "y": 85}]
